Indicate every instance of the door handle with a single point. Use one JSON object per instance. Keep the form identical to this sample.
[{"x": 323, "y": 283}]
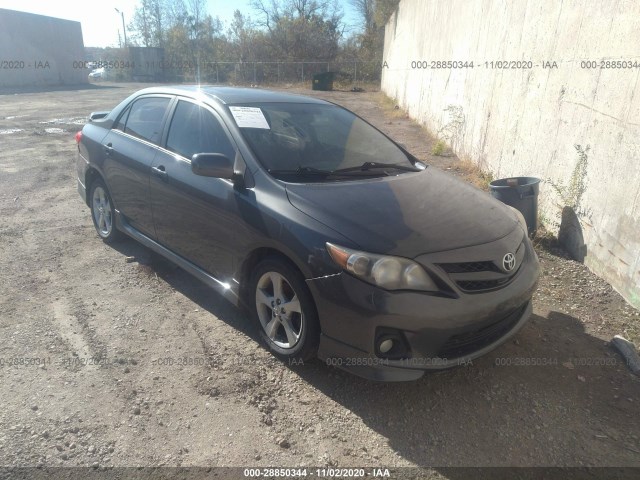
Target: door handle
[
  {"x": 160, "y": 171},
  {"x": 108, "y": 149}
]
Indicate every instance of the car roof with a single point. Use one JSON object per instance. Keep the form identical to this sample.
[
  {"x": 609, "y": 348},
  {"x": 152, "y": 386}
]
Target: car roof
[{"x": 233, "y": 95}]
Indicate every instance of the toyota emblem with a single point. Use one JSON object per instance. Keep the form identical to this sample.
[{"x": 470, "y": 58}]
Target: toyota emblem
[{"x": 509, "y": 262}]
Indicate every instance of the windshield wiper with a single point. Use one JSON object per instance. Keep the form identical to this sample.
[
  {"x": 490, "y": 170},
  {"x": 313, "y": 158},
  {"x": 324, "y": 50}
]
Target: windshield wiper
[
  {"x": 363, "y": 169},
  {"x": 366, "y": 166},
  {"x": 301, "y": 171}
]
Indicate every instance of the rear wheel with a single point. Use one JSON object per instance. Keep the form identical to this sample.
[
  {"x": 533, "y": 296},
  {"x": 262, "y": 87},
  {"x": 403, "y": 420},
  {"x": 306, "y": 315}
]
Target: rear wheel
[
  {"x": 103, "y": 213},
  {"x": 285, "y": 310}
]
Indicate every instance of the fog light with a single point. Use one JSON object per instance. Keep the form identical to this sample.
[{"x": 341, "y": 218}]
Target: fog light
[
  {"x": 390, "y": 343},
  {"x": 385, "y": 345}
]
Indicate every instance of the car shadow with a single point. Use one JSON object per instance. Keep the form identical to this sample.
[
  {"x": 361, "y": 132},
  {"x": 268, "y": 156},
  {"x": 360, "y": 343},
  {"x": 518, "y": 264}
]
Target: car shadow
[
  {"x": 554, "y": 395},
  {"x": 187, "y": 285}
]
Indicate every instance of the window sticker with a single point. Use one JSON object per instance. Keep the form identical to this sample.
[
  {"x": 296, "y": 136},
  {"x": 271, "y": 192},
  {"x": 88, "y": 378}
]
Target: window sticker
[{"x": 249, "y": 117}]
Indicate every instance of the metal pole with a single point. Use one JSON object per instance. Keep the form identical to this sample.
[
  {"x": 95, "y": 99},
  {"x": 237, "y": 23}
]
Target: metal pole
[
  {"x": 303, "y": 71},
  {"x": 355, "y": 71},
  {"x": 124, "y": 30},
  {"x": 254, "y": 72},
  {"x": 217, "y": 81},
  {"x": 278, "y": 72}
]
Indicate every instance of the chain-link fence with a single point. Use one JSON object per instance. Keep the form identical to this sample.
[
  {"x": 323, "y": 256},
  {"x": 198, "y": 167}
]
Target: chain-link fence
[
  {"x": 269, "y": 72},
  {"x": 253, "y": 72}
]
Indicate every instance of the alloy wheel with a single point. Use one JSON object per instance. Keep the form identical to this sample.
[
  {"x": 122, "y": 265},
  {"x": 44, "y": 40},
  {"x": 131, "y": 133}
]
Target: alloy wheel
[
  {"x": 279, "y": 310},
  {"x": 102, "y": 211}
]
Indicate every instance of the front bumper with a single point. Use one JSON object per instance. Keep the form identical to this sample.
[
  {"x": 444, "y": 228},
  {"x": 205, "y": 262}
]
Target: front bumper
[{"x": 438, "y": 331}]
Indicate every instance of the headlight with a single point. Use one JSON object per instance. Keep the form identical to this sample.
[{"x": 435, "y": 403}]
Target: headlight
[
  {"x": 523, "y": 222},
  {"x": 390, "y": 273}
]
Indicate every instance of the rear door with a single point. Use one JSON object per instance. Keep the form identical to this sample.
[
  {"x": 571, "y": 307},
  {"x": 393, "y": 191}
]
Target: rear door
[
  {"x": 194, "y": 216},
  {"x": 129, "y": 149}
]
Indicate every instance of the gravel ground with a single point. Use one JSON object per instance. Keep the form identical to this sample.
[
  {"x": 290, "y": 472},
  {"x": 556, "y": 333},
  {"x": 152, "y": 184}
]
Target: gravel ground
[{"x": 110, "y": 361}]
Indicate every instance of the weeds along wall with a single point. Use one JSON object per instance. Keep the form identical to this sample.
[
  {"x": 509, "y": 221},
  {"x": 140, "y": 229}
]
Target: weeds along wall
[{"x": 554, "y": 93}]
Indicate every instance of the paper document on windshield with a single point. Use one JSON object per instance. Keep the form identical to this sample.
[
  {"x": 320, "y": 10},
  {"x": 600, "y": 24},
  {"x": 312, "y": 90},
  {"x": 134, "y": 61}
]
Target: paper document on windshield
[{"x": 249, "y": 117}]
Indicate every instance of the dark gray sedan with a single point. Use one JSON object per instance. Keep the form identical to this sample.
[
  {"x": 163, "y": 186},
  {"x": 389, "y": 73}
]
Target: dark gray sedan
[{"x": 339, "y": 242}]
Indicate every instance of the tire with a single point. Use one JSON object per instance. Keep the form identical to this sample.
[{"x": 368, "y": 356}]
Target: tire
[
  {"x": 284, "y": 310},
  {"x": 103, "y": 212}
]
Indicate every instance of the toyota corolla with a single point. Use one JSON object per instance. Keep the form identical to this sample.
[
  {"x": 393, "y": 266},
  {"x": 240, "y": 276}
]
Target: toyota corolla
[{"x": 338, "y": 241}]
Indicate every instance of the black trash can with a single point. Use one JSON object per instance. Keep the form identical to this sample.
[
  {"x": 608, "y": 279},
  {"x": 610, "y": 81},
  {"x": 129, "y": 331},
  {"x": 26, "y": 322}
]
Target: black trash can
[
  {"x": 323, "y": 81},
  {"x": 522, "y": 194}
]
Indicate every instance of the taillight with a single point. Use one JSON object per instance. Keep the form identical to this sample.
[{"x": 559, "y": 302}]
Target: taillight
[{"x": 78, "y": 137}]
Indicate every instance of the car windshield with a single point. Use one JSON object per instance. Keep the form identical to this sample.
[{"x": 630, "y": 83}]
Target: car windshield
[{"x": 306, "y": 139}]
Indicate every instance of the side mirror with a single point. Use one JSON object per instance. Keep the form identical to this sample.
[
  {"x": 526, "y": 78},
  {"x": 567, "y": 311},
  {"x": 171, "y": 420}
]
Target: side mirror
[{"x": 212, "y": 165}]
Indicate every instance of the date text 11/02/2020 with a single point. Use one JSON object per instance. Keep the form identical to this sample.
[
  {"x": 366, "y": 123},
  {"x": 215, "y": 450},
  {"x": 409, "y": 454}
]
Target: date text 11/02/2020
[
  {"x": 330, "y": 472},
  {"x": 621, "y": 64}
]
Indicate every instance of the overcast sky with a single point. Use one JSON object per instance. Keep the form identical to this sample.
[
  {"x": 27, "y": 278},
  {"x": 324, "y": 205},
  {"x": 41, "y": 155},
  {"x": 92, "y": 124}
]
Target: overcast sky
[{"x": 101, "y": 23}]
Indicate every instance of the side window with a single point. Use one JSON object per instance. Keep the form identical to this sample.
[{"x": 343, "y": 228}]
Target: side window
[
  {"x": 123, "y": 119},
  {"x": 195, "y": 130},
  {"x": 145, "y": 118}
]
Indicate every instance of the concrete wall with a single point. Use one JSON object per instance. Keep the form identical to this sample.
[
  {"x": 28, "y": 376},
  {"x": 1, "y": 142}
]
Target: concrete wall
[
  {"x": 525, "y": 122},
  {"x": 39, "y": 51},
  {"x": 148, "y": 64}
]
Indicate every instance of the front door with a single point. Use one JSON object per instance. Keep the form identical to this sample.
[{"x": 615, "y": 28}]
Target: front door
[{"x": 194, "y": 216}]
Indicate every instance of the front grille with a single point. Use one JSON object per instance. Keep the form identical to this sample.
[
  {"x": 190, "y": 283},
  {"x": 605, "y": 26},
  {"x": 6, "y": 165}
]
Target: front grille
[
  {"x": 469, "y": 267},
  {"x": 469, "y": 342},
  {"x": 482, "y": 276},
  {"x": 482, "y": 285}
]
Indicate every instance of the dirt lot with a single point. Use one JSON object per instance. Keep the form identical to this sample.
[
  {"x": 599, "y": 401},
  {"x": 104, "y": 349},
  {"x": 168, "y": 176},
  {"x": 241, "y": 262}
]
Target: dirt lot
[{"x": 182, "y": 380}]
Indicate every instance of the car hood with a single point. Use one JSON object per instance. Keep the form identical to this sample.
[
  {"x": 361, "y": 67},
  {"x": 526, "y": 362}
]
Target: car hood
[{"x": 406, "y": 215}]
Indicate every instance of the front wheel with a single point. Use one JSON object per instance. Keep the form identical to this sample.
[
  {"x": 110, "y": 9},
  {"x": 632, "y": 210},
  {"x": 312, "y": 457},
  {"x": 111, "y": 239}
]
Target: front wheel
[
  {"x": 103, "y": 213},
  {"x": 285, "y": 310}
]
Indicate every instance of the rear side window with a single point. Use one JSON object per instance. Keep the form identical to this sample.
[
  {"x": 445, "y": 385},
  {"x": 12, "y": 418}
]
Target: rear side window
[
  {"x": 145, "y": 118},
  {"x": 194, "y": 130}
]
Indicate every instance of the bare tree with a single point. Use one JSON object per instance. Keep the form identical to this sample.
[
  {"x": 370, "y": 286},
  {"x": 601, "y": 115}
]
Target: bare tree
[
  {"x": 268, "y": 12},
  {"x": 150, "y": 22},
  {"x": 366, "y": 9},
  {"x": 301, "y": 29},
  {"x": 196, "y": 9}
]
